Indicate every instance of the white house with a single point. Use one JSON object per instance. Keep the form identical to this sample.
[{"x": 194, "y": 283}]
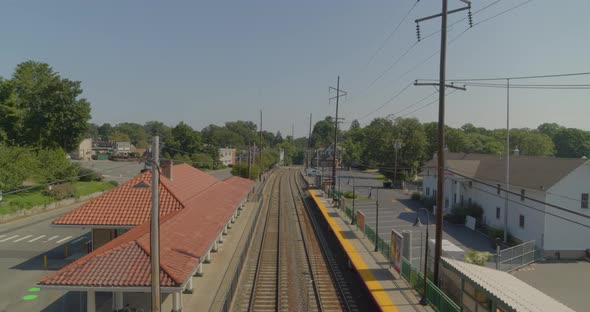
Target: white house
[
  {"x": 548, "y": 204},
  {"x": 227, "y": 156}
]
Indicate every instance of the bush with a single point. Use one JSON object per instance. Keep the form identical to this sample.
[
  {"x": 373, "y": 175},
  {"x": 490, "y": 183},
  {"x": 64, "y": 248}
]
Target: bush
[
  {"x": 477, "y": 257},
  {"x": 428, "y": 202},
  {"x": 88, "y": 175},
  {"x": 114, "y": 183},
  {"x": 460, "y": 212},
  {"x": 416, "y": 196},
  {"x": 61, "y": 191},
  {"x": 349, "y": 195}
]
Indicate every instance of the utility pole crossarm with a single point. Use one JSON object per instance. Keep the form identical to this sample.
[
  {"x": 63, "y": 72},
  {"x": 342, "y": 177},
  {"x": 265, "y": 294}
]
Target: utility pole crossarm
[
  {"x": 436, "y": 84},
  {"x": 450, "y": 12}
]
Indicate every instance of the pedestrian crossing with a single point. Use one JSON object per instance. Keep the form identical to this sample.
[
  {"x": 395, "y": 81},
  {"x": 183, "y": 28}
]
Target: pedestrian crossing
[{"x": 44, "y": 239}]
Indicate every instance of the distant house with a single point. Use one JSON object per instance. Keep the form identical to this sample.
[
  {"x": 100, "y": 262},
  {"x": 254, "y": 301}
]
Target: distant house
[
  {"x": 227, "y": 156},
  {"x": 548, "y": 201},
  {"x": 101, "y": 150},
  {"x": 122, "y": 148},
  {"x": 84, "y": 150},
  {"x": 324, "y": 157}
]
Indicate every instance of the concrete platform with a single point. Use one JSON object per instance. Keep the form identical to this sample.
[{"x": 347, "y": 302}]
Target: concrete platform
[{"x": 390, "y": 291}]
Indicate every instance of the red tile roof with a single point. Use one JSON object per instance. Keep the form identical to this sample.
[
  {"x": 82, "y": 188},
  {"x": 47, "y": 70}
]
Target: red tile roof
[
  {"x": 185, "y": 236},
  {"x": 129, "y": 204}
]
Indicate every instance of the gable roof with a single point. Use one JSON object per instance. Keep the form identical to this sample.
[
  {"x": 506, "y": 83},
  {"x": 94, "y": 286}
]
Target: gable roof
[
  {"x": 185, "y": 236},
  {"x": 511, "y": 291},
  {"x": 129, "y": 204},
  {"x": 526, "y": 171}
]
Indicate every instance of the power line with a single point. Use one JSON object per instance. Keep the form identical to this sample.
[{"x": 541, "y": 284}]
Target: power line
[
  {"x": 415, "y": 103},
  {"x": 391, "y": 34},
  {"x": 386, "y": 102},
  {"x": 522, "y": 196},
  {"x": 534, "y": 208},
  {"x": 518, "y": 77},
  {"x": 503, "y": 12},
  {"x": 428, "y": 104}
]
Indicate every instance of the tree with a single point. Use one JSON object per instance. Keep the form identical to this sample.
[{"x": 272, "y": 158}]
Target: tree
[
  {"x": 323, "y": 133},
  {"x": 105, "y": 131},
  {"x": 136, "y": 133},
  {"x": 158, "y": 128},
  {"x": 44, "y": 107},
  {"x": 118, "y": 136},
  {"x": 354, "y": 125},
  {"x": 245, "y": 129},
  {"x": 16, "y": 165},
  {"x": 92, "y": 131},
  {"x": 549, "y": 128},
  {"x": 570, "y": 142},
  {"x": 184, "y": 138}
]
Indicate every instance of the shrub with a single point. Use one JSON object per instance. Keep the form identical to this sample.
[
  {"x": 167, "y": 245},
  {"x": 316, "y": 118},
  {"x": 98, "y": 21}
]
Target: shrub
[
  {"x": 460, "y": 212},
  {"x": 477, "y": 257},
  {"x": 114, "y": 183},
  {"x": 428, "y": 202},
  {"x": 416, "y": 196},
  {"x": 88, "y": 175},
  {"x": 349, "y": 195},
  {"x": 61, "y": 191}
]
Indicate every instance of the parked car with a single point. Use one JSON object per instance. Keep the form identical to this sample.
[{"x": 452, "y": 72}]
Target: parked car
[{"x": 312, "y": 171}]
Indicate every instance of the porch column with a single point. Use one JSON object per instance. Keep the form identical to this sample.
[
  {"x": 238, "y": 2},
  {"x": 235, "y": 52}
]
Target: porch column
[
  {"x": 215, "y": 246},
  {"x": 176, "y": 302},
  {"x": 189, "y": 286},
  {"x": 220, "y": 239},
  {"x": 118, "y": 299},
  {"x": 199, "y": 270},
  {"x": 90, "y": 301},
  {"x": 225, "y": 230}
]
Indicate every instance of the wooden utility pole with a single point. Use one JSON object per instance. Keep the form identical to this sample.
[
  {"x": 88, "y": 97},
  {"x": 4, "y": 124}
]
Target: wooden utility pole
[
  {"x": 441, "y": 129},
  {"x": 309, "y": 143},
  {"x": 260, "y": 172}
]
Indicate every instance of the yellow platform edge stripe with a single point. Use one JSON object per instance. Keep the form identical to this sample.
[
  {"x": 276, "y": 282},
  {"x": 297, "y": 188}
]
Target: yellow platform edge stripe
[{"x": 376, "y": 289}]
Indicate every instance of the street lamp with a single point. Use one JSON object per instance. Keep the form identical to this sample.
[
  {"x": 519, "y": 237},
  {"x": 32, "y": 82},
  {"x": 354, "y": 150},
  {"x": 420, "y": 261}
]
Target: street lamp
[
  {"x": 424, "y": 300},
  {"x": 353, "y": 200},
  {"x": 396, "y": 145},
  {"x": 377, "y": 221}
]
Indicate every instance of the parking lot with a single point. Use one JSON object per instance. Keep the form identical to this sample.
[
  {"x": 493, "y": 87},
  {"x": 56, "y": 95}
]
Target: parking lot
[{"x": 398, "y": 211}]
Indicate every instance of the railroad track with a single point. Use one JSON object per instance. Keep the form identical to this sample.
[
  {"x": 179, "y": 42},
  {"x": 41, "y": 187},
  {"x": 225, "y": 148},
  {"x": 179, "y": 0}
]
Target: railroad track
[{"x": 286, "y": 268}]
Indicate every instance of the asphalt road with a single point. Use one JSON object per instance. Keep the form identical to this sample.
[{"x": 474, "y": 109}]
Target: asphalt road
[
  {"x": 23, "y": 243},
  {"x": 398, "y": 211}
]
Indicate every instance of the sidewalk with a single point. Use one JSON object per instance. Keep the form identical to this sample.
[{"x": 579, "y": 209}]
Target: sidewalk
[{"x": 390, "y": 290}]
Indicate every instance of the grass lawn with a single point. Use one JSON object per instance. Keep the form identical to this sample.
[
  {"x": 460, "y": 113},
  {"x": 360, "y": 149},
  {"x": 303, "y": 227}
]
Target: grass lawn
[
  {"x": 87, "y": 188},
  {"x": 34, "y": 197}
]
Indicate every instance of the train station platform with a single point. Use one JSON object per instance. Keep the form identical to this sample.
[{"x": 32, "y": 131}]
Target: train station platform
[{"x": 389, "y": 290}]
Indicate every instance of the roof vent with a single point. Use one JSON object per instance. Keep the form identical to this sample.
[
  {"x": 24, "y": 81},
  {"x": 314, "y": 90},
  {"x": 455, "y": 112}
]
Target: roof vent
[{"x": 141, "y": 185}]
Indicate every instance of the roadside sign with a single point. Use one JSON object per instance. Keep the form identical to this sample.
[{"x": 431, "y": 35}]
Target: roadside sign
[{"x": 396, "y": 250}]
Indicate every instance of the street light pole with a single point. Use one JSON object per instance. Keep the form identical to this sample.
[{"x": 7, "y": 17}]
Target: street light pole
[
  {"x": 377, "y": 221},
  {"x": 353, "y": 201},
  {"x": 397, "y": 145},
  {"x": 424, "y": 300}
]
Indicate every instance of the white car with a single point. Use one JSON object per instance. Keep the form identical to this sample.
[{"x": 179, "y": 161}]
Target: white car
[{"x": 312, "y": 171}]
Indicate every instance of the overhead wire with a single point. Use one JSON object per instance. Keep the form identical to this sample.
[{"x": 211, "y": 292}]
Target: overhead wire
[
  {"x": 386, "y": 102},
  {"x": 391, "y": 34}
]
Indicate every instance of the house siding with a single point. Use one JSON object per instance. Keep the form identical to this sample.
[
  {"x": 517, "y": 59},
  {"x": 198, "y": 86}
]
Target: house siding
[{"x": 561, "y": 234}]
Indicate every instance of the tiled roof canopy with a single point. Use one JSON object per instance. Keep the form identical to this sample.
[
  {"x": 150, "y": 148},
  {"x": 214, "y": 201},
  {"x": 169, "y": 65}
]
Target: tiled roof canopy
[
  {"x": 185, "y": 237},
  {"x": 129, "y": 204}
]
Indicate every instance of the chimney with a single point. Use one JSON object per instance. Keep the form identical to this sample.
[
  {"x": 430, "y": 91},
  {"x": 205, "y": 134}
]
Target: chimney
[
  {"x": 166, "y": 167},
  {"x": 516, "y": 152}
]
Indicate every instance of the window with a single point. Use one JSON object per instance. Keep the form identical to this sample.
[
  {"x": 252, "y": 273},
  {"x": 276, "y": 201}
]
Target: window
[
  {"x": 470, "y": 184},
  {"x": 469, "y": 201},
  {"x": 521, "y": 221},
  {"x": 461, "y": 199},
  {"x": 498, "y": 189},
  {"x": 584, "y": 200},
  {"x": 446, "y": 203},
  {"x": 522, "y": 195},
  {"x": 497, "y": 212},
  {"x": 455, "y": 198},
  {"x": 427, "y": 191},
  {"x": 434, "y": 193}
]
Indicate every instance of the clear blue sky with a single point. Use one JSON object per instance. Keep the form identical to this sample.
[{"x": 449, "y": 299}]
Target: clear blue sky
[{"x": 210, "y": 62}]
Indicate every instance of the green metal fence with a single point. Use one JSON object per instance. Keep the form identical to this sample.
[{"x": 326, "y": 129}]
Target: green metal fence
[{"x": 439, "y": 301}]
